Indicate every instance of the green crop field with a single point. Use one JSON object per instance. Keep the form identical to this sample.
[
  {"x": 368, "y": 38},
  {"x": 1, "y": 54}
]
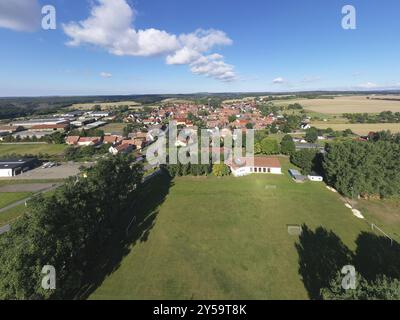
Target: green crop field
[
  {"x": 33, "y": 149},
  {"x": 210, "y": 238}
]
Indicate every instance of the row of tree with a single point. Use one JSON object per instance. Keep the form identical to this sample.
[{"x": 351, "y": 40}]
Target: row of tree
[
  {"x": 180, "y": 170},
  {"x": 383, "y": 117},
  {"x": 67, "y": 230}
]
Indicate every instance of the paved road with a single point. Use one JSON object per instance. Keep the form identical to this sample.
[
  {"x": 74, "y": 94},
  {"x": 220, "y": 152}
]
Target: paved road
[{"x": 16, "y": 204}]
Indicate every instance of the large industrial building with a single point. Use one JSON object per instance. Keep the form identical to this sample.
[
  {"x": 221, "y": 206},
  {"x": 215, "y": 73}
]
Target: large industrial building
[{"x": 14, "y": 167}]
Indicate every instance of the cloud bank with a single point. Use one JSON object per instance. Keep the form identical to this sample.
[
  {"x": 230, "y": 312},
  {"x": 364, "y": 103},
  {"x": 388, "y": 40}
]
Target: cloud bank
[
  {"x": 110, "y": 26},
  {"x": 20, "y": 15}
]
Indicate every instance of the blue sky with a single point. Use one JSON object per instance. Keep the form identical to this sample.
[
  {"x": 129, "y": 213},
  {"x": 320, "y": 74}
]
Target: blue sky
[{"x": 197, "y": 46}]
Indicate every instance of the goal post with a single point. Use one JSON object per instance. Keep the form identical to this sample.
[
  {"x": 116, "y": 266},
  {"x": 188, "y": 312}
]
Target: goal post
[{"x": 375, "y": 227}]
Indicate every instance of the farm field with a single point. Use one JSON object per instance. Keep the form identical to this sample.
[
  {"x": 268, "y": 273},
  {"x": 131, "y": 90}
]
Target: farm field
[
  {"x": 344, "y": 104},
  {"x": 359, "y": 128},
  {"x": 33, "y": 149},
  {"x": 104, "y": 105},
  {"x": 211, "y": 238}
]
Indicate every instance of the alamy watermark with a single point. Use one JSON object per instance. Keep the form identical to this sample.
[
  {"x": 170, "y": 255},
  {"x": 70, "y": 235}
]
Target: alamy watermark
[
  {"x": 349, "y": 20},
  {"x": 49, "y": 279},
  {"x": 349, "y": 282}
]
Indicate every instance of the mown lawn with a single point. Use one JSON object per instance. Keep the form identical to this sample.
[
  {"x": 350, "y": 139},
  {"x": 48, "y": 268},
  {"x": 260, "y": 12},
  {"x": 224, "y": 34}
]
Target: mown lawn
[
  {"x": 33, "y": 149},
  {"x": 227, "y": 238},
  {"x": 9, "y": 198}
]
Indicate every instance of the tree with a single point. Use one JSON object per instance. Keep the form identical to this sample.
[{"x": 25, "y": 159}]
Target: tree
[
  {"x": 382, "y": 288},
  {"x": 249, "y": 126},
  {"x": 269, "y": 146},
  {"x": 67, "y": 230},
  {"x": 305, "y": 159},
  {"x": 221, "y": 170},
  {"x": 363, "y": 168},
  {"x": 231, "y": 119},
  {"x": 311, "y": 135},
  {"x": 288, "y": 146}
]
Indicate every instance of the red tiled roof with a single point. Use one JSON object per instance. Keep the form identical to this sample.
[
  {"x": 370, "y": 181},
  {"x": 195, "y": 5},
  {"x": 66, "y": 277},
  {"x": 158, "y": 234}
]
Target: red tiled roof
[
  {"x": 259, "y": 162},
  {"x": 49, "y": 126},
  {"x": 72, "y": 139}
]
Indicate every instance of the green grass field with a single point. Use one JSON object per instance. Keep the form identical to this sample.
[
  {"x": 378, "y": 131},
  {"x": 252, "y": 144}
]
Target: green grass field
[
  {"x": 9, "y": 198},
  {"x": 117, "y": 128},
  {"x": 11, "y": 214},
  {"x": 226, "y": 238},
  {"x": 34, "y": 149}
]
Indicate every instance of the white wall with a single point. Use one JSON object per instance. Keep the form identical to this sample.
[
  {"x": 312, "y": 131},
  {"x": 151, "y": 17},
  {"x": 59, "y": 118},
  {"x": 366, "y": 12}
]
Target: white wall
[
  {"x": 276, "y": 170},
  {"x": 246, "y": 171},
  {"x": 6, "y": 173}
]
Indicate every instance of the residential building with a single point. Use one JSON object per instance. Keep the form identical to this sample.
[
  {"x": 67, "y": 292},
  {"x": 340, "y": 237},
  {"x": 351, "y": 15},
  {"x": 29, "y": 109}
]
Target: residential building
[{"x": 263, "y": 165}]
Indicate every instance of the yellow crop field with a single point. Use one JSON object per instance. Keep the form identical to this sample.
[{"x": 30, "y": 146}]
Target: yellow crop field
[
  {"x": 360, "y": 128},
  {"x": 347, "y": 104}
]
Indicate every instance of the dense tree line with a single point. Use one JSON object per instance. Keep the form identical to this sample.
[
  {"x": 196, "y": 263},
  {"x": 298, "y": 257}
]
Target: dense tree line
[
  {"x": 363, "y": 168},
  {"x": 383, "y": 117},
  {"x": 67, "y": 230},
  {"x": 55, "y": 138},
  {"x": 383, "y": 288}
]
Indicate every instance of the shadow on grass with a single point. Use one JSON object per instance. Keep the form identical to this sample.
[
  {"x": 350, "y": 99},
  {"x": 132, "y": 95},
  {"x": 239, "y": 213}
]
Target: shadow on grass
[
  {"x": 151, "y": 196},
  {"x": 375, "y": 255},
  {"x": 321, "y": 255}
]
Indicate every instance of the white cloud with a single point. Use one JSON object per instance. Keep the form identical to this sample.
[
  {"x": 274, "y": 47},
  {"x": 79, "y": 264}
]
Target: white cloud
[
  {"x": 105, "y": 75},
  {"x": 278, "y": 80},
  {"x": 110, "y": 26},
  {"x": 20, "y": 15}
]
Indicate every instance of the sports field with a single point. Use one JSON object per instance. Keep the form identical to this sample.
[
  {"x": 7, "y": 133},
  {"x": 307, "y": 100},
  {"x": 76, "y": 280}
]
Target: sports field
[
  {"x": 210, "y": 238},
  {"x": 33, "y": 149},
  {"x": 345, "y": 104}
]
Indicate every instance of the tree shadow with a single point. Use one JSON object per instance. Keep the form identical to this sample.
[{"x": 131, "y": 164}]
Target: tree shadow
[
  {"x": 321, "y": 255},
  {"x": 375, "y": 255},
  {"x": 141, "y": 218}
]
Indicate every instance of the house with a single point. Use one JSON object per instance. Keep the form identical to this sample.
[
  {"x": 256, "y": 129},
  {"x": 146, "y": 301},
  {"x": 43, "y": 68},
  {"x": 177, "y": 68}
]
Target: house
[
  {"x": 264, "y": 165},
  {"x": 88, "y": 141},
  {"x": 121, "y": 149},
  {"x": 13, "y": 167},
  {"x": 72, "y": 140},
  {"x": 305, "y": 126},
  {"x": 110, "y": 139},
  {"x": 181, "y": 143}
]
